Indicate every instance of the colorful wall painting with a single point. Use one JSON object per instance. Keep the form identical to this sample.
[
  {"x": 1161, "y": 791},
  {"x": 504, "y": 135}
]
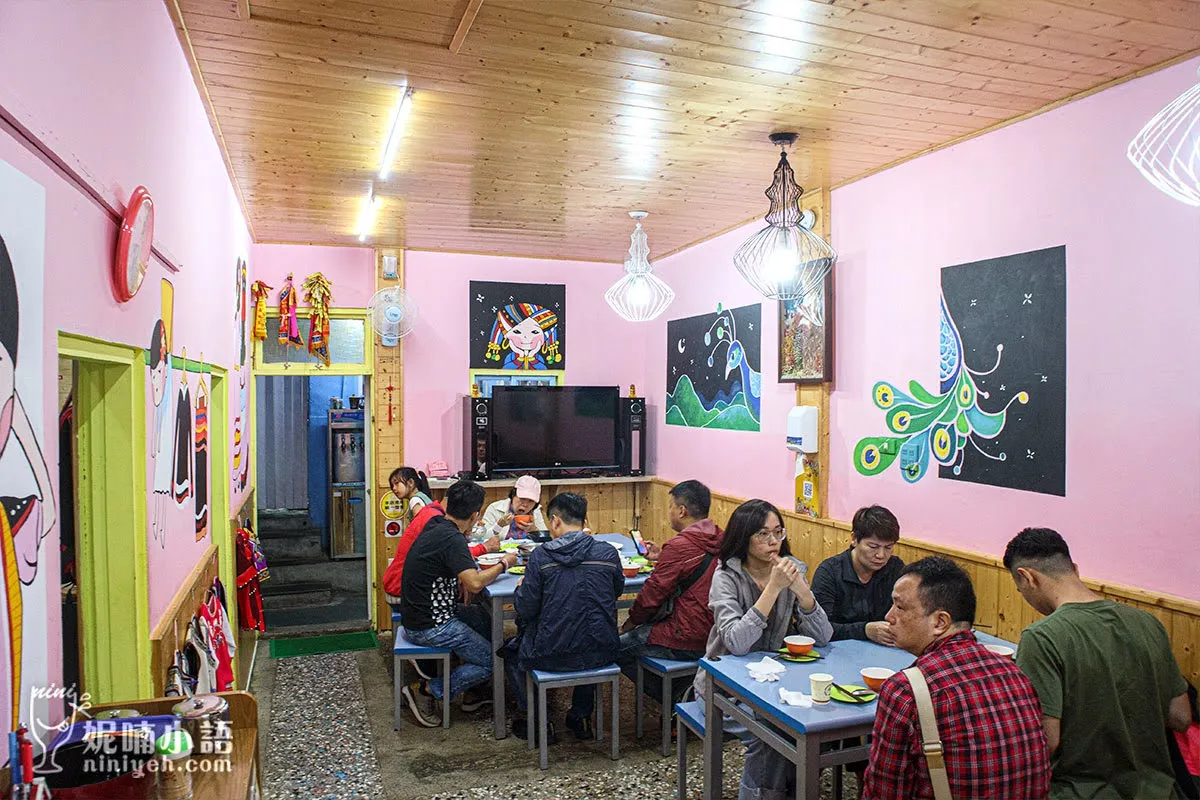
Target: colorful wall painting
[
  {"x": 999, "y": 416},
  {"x": 240, "y": 312},
  {"x": 806, "y": 337},
  {"x": 27, "y": 502},
  {"x": 713, "y": 369},
  {"x": 241, "y": 439},
  {"x": 518, "y": 326}
]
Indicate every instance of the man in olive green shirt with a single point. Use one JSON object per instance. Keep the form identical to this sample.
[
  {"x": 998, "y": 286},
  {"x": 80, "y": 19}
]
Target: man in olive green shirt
[{"x": 1105, "y": 675}]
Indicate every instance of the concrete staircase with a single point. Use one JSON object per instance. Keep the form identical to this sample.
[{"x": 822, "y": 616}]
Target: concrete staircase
[{"x": 307, "y": 591}]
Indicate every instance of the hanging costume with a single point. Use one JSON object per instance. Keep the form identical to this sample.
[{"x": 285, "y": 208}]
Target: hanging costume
[
  {"x": 164, "y": 450},
  {"x": 259, "y": 290},
  {"x": 201, "y": 461},
  {"x": 249, "y": 593},
  {"x": 289, "y": 328},
  {"x": 318, "y": 293},
  {"x": 183, "y": 445}
]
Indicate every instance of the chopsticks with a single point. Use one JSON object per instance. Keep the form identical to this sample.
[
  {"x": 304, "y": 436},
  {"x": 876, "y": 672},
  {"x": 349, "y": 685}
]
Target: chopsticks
[{"x": 856, "y": 695}]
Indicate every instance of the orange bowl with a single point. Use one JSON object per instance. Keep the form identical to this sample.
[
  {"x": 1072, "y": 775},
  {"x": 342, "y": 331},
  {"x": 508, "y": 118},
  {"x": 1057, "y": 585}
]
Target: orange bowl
[
  {"x": 523, "y": 519},
  {"x": 630, "y": 572},
  {"x": 799, "y": 645},
  {"x": 875, "y": 676}
]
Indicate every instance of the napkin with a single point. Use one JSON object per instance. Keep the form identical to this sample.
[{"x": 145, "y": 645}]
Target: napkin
[
  {"x": 794, "y": 698},
  {"x": 766, "y": 670}
]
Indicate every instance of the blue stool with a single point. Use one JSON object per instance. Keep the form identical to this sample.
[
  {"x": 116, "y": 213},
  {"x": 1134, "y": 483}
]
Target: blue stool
[
  {"x": 404, "y": 650},
  {"x": 688, "y": 717},
  {"x": 668, "y": 671},
  {"x": 544, "y": 680}
]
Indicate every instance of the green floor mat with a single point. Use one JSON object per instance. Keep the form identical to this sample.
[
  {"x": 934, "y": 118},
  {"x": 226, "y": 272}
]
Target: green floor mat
[{"x": 316, "y": 645}]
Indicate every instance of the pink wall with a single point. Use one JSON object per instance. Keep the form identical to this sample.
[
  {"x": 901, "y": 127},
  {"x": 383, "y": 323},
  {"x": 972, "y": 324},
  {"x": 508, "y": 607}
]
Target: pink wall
[
  {"x": 1133, "y": 281},
  {"x": 740, "y": 463},
  {"x": 62, "y": 66},
  {"x": 351, "y": 269},
  {"x": 602, "y": 349}
]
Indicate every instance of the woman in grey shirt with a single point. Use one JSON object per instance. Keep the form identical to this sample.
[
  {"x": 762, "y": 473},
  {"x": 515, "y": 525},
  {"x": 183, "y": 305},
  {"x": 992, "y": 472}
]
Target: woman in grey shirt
[{"x": 759, "y": 595}]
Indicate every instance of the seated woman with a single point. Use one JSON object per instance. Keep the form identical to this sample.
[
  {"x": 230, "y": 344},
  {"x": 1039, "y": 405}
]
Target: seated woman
[
  {"x": 758, "y": 596},
  {"x": 855, "y": 587}
]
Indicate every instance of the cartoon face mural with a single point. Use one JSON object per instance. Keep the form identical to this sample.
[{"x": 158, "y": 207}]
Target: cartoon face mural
[
  {"x": 530, "y": 334},
  {"x": 27, "y": 505}
]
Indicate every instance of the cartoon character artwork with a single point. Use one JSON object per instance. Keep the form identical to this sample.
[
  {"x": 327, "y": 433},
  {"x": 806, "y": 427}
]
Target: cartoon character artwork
[
  {"x": 529, "y": 334},
  {"x": 162, "y": 442},
  {"x": 27, "y": 503},
  {"x": 241, "y": 444},
  {"x": 184, "y": 439},
  {"x": 518, "y": 326},
  {"x": 240, "y": 312},
  {"x": 708, "y": 391}
]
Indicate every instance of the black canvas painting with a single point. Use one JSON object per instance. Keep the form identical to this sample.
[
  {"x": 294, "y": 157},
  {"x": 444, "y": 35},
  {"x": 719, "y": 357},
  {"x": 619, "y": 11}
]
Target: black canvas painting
[
  {"x": 518, "y": 326},
  {"x": 713, "y": 369},
  {"x": 1011, "y": 316}
]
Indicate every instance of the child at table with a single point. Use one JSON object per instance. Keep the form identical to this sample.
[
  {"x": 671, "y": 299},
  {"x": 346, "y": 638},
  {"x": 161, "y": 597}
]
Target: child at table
[{"x": 759, "y": 595}]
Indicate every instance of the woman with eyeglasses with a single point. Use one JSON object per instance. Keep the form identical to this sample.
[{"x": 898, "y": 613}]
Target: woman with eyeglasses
[{"x": 759, "y": 595}]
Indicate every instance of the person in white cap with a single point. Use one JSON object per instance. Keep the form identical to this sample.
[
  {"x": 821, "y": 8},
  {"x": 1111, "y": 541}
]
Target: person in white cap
[{"x": 521, "y": 513}]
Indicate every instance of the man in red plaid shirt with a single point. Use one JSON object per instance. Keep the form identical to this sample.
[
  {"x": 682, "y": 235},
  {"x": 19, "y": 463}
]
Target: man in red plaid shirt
[{"x": 988, "y": 714}]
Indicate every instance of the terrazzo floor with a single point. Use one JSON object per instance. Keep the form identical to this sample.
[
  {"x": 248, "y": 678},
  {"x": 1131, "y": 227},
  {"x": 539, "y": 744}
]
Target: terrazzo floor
[{"x": 328, "y": 720}]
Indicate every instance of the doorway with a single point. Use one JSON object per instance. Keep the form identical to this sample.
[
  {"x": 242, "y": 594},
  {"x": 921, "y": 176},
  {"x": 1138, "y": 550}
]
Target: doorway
[
  {"x": 68, "y": 469},
  {"x": 314, "y": 510}
]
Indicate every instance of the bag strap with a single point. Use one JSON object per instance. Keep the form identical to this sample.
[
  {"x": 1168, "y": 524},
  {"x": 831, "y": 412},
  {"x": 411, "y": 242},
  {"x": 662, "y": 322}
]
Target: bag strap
[
  {"x": 695, "y": 575},
  {"x": 931, "y": 740}
]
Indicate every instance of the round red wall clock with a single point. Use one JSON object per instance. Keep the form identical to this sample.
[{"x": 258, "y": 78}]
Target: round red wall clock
[{"x": 133, "y": 245}]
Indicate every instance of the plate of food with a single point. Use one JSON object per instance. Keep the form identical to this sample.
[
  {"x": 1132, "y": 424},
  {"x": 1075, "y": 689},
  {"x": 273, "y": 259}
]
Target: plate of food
[
  {"x": 516, "y": 570},
  {"x": 804, "y": 658}
]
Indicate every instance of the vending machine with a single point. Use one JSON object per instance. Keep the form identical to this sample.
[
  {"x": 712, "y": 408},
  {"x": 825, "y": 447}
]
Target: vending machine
[{"x": 348, "y": 506}]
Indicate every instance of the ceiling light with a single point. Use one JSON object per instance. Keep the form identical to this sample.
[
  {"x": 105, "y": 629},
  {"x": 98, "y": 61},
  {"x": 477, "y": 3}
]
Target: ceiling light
[
  {"x": 640, "y": 295},
  {"x": 366, "y": 217},
  {"x": 785, "y": 260},
  {"x": 1167, "y": 150},
  {"x": 396, "y": 133}
]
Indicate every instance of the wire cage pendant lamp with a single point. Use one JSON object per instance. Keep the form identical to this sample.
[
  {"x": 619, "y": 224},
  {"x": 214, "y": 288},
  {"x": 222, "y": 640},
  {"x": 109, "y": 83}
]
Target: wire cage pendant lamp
[
  {"x": 1167, "y": 150},
  {"x": 640, "y": 295},
  {"x": 785, "y": 260}
]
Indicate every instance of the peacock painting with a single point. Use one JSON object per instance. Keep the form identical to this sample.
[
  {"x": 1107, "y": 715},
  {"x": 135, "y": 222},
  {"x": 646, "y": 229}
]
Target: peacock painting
[
  {"x": 1003, "y": 424},
  {"x": 713, "y": 370}
]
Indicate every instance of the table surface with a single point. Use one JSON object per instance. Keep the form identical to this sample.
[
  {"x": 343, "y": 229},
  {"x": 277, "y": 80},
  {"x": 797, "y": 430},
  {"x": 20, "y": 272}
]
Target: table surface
[
  {"x": 506, "y": 585},
  {"x": 842, "y": 659}
]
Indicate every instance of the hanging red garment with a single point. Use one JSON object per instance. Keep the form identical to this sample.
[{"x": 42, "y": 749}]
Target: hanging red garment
[
  {"x": 211, "y": 614},
  {"x": 249, "y": 594}
]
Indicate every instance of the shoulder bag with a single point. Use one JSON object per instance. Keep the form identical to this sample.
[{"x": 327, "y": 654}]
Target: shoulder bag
[{"x": 931, "y": 740}]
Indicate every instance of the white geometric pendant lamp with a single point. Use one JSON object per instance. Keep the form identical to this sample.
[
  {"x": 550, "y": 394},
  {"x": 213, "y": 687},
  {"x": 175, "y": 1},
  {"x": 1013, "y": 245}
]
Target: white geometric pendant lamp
[
  {"x": 640, "y": 295},
  {"x": 1167, "y": 150}
]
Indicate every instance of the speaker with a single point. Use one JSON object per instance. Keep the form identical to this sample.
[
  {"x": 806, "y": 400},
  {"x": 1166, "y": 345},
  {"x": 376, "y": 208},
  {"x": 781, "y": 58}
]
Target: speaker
[
  {"x": 477, "y": 436},
  {"x": 632, "y": 433}
]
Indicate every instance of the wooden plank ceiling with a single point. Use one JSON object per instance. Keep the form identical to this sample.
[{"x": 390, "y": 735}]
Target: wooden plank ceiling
[{"x": 555, "y": 117}]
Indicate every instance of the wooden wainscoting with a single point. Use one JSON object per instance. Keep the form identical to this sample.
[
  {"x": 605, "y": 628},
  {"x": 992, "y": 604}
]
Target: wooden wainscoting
[
  {"x": 1001, "y": 610},
  {"x": 170, "y": 634}
]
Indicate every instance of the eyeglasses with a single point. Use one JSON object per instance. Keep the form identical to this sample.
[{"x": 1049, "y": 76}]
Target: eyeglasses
[{"x": 771, "y": 535}]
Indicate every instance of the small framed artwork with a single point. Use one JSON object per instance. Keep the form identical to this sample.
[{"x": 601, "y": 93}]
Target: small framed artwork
[
  {"x": 489, "y": 379},
  {"x": 806, "y": 337}
]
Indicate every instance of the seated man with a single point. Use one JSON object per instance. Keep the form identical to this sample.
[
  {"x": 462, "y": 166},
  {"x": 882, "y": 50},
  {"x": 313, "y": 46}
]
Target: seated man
[
  {"x": 1106, "y": 676},
  {"x": 855, "y": 587},
  {"x": 500, "y": 519},
  {"x": 987, "y": 711},
  {"x": 670, "y": 618},
  {"x": 567, "y": 610},
  {"x": 437, "y": 563}
]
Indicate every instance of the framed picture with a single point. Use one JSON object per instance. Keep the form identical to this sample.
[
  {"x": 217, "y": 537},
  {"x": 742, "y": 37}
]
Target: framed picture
[
  {"x": 806, "y": 337},
  {"x": 489, "y": 379}
]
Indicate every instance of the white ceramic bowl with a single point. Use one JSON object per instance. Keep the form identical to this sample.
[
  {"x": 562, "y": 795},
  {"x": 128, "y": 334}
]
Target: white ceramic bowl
[{"x": 1001, "y": 650}]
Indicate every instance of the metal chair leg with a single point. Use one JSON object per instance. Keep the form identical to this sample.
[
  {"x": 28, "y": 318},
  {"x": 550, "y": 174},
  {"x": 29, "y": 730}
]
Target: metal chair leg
[
  {"x": 446, "y": 691},
  {"x": 664, "y": 708},
  {"x": 543, "y": 728},
  {"x": 637, "y": 702},
  {"x": 398, "y": 687},
  {"x": 530, "y": 733},
  {"x": 681, "y": 758},
  {"x": 616, "y": 721},
  {"x": 599, "y": 726}
]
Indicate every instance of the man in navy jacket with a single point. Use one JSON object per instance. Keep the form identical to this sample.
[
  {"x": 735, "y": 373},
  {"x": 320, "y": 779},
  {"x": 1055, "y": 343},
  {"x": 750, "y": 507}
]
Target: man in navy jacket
[{"x": 567, "y": 609}]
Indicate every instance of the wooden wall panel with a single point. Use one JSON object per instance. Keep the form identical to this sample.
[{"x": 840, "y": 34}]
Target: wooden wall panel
[
  {"x": 388, "y": 439},
  {"x": 1000, "y": 611},
  {"x": 170, "y": 634}
]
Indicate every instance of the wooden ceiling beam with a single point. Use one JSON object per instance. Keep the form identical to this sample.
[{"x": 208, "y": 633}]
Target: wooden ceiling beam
[{"x": 464, "y": 25}]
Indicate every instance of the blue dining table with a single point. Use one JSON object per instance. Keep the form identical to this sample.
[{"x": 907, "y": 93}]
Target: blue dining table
[
  {"x": 501, "y": 593},
  {"x": 794, "y": 732}
]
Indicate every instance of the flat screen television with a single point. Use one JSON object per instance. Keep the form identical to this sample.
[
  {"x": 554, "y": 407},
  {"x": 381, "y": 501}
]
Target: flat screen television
[{"x": 550, "y": 428}]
